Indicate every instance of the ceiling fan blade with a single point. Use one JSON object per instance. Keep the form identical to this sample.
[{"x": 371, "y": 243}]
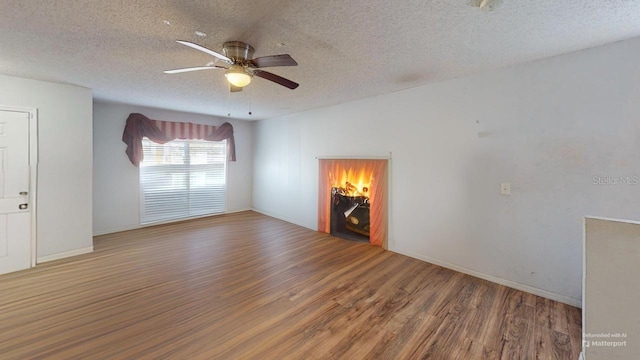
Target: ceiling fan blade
[
  {"x": 274, "y": 60},
  {"x": 177, "y": 71},
  {"x": 205, "y": 50},
  {"x": 233, "y": 88},
  {"x": 276, "y": 79}
]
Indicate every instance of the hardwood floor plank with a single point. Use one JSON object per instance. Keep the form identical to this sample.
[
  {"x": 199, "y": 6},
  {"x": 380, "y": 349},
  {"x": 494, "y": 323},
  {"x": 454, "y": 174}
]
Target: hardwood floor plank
[
  {"x": 246, "y": 286},
  {"x": 519, "y": 330}
]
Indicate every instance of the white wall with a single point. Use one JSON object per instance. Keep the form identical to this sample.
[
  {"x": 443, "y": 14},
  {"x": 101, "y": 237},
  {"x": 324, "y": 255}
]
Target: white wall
[
  {"x": 65, "y": 161},
  {"x": 546, "y": 127},
  {"x": 116, "y": 192}
]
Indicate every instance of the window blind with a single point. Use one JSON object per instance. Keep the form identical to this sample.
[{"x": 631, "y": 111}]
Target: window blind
[{"x": 182, "y": 179}]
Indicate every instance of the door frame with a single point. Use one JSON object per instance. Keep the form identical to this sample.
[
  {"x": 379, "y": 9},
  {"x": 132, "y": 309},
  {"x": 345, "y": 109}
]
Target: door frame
[{"x": 33, "y": 171}]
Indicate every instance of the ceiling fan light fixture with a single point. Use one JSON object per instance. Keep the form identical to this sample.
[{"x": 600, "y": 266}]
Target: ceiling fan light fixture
[{"x": 237, "y": 76}]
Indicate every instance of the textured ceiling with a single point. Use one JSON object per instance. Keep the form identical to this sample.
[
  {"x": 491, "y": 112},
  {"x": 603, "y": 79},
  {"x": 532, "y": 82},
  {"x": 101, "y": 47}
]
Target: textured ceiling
[{"x": 346, "y": 50}]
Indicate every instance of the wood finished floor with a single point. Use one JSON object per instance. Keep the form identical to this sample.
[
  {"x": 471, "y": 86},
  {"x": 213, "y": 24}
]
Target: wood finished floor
[{"x": 246, "y": 286}]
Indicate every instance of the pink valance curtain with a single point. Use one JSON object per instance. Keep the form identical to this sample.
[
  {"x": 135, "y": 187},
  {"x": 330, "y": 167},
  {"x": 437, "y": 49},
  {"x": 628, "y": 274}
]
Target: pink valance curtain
[
  {"x": 139, "y": 126},
  {"x": 331, "y": 170}
]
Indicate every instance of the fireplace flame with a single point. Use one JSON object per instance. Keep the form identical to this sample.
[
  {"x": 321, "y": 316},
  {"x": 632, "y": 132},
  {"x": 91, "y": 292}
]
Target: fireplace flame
[{"x": 354, "y": 182}]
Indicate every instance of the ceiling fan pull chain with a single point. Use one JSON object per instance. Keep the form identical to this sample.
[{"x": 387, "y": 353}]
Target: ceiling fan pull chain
[
  {"x": 228, "y": 101},
  {"x": 250, "y": 99}
]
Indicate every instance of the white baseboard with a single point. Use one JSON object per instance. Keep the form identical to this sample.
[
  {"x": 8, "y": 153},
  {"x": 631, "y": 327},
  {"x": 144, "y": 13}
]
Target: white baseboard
[
  {"x": 283, "y": 218},
  {"x": 115, "y": 230},
  {"x": 134, "y": 226},
  {"x": 238, "y": 210},
  {"x": 46, "y": 258},
  {"x": 512, "y": 284}
]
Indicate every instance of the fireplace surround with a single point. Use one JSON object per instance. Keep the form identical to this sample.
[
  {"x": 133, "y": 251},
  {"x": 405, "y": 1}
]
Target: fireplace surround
[{"x": 353, "y": 192}]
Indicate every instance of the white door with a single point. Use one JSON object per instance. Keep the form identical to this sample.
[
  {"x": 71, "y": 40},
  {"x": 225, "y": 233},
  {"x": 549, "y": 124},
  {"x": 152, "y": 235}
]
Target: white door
[{"x": 15, "y": 209}]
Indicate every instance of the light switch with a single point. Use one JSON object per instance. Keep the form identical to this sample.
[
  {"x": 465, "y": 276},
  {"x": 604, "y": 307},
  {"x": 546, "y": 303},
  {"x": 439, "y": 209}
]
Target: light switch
[{"x": 505, "y": 189}]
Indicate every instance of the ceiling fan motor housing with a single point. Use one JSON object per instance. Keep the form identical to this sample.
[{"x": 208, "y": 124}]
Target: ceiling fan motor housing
[{"x": 237, "y": 50}]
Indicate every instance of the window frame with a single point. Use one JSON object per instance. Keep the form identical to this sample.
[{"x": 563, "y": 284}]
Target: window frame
[{"x": 145, "y": 221}]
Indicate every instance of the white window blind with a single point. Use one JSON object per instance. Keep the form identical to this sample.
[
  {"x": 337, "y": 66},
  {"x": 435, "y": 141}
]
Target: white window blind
[{"x": 182, "y": 179}]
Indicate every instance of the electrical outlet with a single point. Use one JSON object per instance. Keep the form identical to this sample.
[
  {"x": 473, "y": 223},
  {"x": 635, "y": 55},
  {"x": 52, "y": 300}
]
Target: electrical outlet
[{"x": 505, "y": 189}]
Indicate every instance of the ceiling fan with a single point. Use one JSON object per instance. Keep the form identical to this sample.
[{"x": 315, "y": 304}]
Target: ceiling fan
[{"x": 241, "y": 66}]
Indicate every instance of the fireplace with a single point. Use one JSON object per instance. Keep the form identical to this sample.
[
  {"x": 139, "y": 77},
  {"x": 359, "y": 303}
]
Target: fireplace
[
  {"x": 350, "y": 212},
  {"x": 352, "y": 199}
]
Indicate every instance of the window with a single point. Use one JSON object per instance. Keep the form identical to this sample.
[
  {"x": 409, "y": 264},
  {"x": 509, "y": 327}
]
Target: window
[{"x": 182, "y": 179}]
